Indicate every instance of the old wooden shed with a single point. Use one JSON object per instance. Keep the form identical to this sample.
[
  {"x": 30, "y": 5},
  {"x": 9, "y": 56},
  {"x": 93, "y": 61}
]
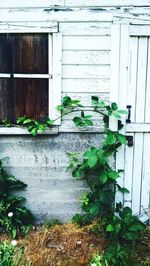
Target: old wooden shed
[{"x": 92, "y": 47}]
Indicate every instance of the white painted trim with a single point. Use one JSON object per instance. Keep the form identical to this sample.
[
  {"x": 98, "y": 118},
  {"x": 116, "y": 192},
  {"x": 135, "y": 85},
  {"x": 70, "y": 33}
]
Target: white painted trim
[
  {"x": 30, "y": 3},
  {"x": 4, "y": 75},
  {"x": 107, "y": 3},
  {"x": 54, "y": 76},
  {"x": 70, "y": 3},
  {"x": 138, "y": 127},
  {"x": 24, "y": 131},
  {"x": 55, "y": 86},
  {"x": 115, "y": 64},
  {"x": 28, "y": 27},
  {"x": 41, "y": 16},
  {"x": 139, "y": 30},
  {"x": 128, "y": 18},
  {"x": 33, "y": 76},
  {"x": 114, "y": 70},
  {"x": 122, "y": 92}
]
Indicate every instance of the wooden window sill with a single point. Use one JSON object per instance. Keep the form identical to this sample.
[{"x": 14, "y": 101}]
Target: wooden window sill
[{"x": 24, "y": 131}]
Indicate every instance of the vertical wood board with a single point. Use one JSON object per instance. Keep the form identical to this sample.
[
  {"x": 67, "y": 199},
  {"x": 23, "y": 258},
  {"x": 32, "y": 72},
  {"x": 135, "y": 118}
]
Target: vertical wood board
[
  {"x": 147, "y": 105},
  {"x": 131, "y": 93},
  {"x": 137, "y": 172},
  {"x": 145, "y": 186},
  {"x": 128, "y": 174},
  {"x": 141, "y": 80}
]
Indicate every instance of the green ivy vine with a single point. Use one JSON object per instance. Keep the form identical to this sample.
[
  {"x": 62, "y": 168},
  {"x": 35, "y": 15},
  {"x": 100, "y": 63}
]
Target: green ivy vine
[{"x": 121, "y": 226}]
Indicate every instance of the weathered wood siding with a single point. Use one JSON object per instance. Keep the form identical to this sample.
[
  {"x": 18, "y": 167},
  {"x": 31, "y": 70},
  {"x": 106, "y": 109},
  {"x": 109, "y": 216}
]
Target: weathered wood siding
[
  {"x": 85, "y": 64},
  {"x": 86, "y": 57}
]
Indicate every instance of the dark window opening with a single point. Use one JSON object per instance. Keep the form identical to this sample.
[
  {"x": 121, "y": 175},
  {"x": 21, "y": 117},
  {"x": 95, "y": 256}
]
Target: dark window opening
[{"x": 23, "y": 54}]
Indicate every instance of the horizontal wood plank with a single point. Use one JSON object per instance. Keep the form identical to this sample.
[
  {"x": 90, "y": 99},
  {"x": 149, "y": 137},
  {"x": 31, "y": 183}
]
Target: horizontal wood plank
[
  {"x": 85, "y": 28},
  {"x": 30, "y": 3},
  {"x": 92, "y": 72},
  {"x": 86, "y": 85},
  {"x": 86, "y": 43},
  {"x": 86, "y": 57},
  {"x": 32, "y": 27},
  {"x": 48, "y": 14},
  {"x": 139, "y": 30},
  {"x": 68, "y": 126},
  {"x": 85, "y": 98},
  {"x": 138, "y": 127},
  {"x": 107, "y": 3},
  {"x": 24, "y": 131}
]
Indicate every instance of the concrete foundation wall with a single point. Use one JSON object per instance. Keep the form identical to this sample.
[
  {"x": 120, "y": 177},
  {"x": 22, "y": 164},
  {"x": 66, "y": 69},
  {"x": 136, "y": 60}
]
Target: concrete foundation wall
[{"x": 41, "y": 163}]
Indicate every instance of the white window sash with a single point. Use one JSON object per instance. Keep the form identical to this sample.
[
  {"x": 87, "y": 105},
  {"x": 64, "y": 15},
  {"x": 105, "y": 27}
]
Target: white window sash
[{"x": 54, "y": 66}]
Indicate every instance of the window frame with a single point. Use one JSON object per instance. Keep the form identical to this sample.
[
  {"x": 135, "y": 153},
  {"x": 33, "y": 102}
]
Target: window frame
[{"x": 54, "y": 67}]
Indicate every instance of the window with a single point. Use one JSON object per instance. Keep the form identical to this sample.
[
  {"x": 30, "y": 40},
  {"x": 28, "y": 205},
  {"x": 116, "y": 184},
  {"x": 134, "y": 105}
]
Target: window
[{"x": 30, "y": 73}]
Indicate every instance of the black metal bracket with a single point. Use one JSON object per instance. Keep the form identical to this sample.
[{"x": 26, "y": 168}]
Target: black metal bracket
[
  {"x": 130, "y": 141},
  {"x": 128, "y": 120}
]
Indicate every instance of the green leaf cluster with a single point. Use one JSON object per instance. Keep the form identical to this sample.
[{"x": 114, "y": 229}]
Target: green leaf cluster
[
  {"x": 35, "y": 126},
  {"x": 11, "y": 255},
  {"x": 21, "y": 218},
  {"x": 125, "y": 225},
  {"x": 83, "y": 120},
  {"x": 68, "y": 104}
]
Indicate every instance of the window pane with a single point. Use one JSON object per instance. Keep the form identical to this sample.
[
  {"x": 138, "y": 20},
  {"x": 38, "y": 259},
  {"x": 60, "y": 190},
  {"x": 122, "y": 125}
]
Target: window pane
[
  {"x": 5, "y": 53},
  {"x": 21, "y": 97},
  {"x": 24, "y": 53},
  {"x": 7, "y": 109}
]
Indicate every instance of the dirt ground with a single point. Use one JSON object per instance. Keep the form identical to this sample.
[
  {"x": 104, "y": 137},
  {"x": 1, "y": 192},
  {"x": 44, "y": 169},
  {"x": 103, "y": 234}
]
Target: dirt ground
[
  {"x": 67, "y": 245},
  {"x": 62, "y": 245}
]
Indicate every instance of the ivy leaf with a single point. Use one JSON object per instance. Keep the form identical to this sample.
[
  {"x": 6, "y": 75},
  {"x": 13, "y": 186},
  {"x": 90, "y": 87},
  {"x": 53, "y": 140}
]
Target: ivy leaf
[
  {"x": 27, "y": 121},
  {"x": 120, "y": 125},
  {"x": 122, "y": 139},
  {"x": 137, "y": 227},
  {"x": 77, "y": 173},
  {"x": 77, "y": 120},
  {"x": 101, "y": 104},
  {"x": 75, "y": 102},
  {"x": 41, "y": 127},
  {"x": 103, "y": 178},
  {"x": 66, "y": 100},
  {"x": 122, "y": 112},
  {"x": 109, "y": 228},
  {"x": 93, "y": 150},
  {"x": 88, "y": 116},
  {"x": 116, "y": 115},
  {"x": 101, "y": 157},
  {"x": 122, "y": 189},
  {"x": 95, "y": 100},
  {"x": 110, "y": 139},
  {"x": 20, "y": 119},
  {"x": 113, "y": 174},
  {"x": 92, "y": 161},
  {"x": 87, "y": 154},
  {"x": 89, "y": 122},
  {"x": 114, "y": 106},
  {"x": 34, "y": 131},
  {"x": 49, "y": 122},
  {"x": 132, "y": 236},
  {"x": 94, "y": 209}
]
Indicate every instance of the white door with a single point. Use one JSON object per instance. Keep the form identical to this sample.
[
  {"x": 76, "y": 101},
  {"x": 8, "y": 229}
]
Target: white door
[{"x": 134, "y": 92}]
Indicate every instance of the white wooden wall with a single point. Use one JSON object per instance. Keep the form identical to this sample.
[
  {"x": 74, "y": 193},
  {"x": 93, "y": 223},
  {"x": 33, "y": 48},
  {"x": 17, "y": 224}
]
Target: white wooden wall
[
  {"x": 86, "y": 70},
  {"x": 86, "y": 64}
]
